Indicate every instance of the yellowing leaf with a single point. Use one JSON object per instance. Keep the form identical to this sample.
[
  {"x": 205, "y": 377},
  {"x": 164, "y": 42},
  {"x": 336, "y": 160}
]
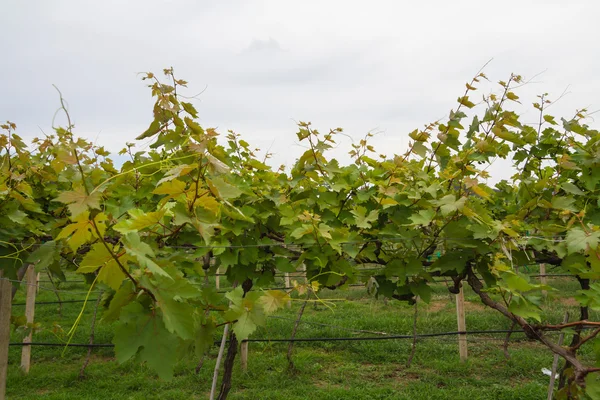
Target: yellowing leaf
[
  {"x": 209, "y": 204},
  {"x": 78, "y": 201},
  {"x": 99, "y": 257},
  {"x": 273, "y": 300},
  {"x": 512, "y": 96},
  {"x": 480, "y": 191},
  {"x": 81, "y": 230},
  {"x": 139, "y": 220},
  {"x": 194, "y": 126},
  {"x": 315, "y": 286},
  {"x": 173, "y": 188},
  {"x": 175, "y": 172},
  {"x": 466, "y": 102}
]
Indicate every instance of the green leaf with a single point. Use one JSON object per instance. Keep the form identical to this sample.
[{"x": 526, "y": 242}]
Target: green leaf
[
  {"x": 563, "y": 203},
  {"x": 571, "y": 188},
  {"x": 523, "y": 308},
  {"x": 592, "y": 386},
  {"x": 142, "y": 252},
  {"x": 362, "y": 219},
  {"x": 17, "y": 216},
  {"x": 43, "y": 256},
  {"x": 142, "y": 333},
  {"x": 448, "y": 204},
  {"x": 123, "y": 296},
  {"x": 222, "y": 189},
  {"x": 420, "y": 149},
  {"x": 516, "y": 282},
  {"x": 152, "y": 130},
  {"x": 244, "y": 326},
  {"x": 422, "y": 290},
  {"x": 423, "y": 217},
  {"x": 171, "y": 295},
  {"x": 190, "y": 109},
  {"x": 247, "y": 311},
  {"x": 204, "y": 337},
  {"x": 302, "y": 231},
  {"x": 194, "y": 126},
  {"x": 284, "y": 264},
  {"x": 578, "y": 240}
]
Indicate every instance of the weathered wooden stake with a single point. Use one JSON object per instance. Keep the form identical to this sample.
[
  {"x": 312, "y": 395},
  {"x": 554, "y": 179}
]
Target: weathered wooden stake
[
  {"x": 288, "y": 284},
  {"x": 244, "y": 355},
  {"x": 543, "y": 279},
  {"x": 462, "y": 326},
  {"x": 31, "y": 280},
  {"x": 5, "y": 305},
  {"x": 218, "y": 280},
  {"x": 561, "y": 337}
]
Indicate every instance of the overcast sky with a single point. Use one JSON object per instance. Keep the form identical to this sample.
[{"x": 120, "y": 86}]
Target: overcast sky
[{"x": 382, "y": 66}]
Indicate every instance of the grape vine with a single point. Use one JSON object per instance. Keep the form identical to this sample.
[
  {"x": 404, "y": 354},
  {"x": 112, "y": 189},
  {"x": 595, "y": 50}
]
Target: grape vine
[{"x": 151, "y": 230}]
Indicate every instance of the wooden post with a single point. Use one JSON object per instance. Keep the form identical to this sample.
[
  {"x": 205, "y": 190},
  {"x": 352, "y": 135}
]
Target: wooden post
[
  {"x": 543, "y": 279},
  {"x": 218, "y": 280},
  {"x": 37, "y": 282},
  {"x": 244, "y": 355},
  {"x": 29, "y": 311},
  {"x": 462, "y": 326},
  {"x": 5, "y": 305},
  {"x": 288, "y": 284},
  {"x": 561, "y": 337}
]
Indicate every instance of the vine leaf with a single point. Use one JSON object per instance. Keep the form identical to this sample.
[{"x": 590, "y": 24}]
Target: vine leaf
[
  {"x": 272, "y": 300},
  {"x": 362, "y": 219},
  {"x": 170, "y": 295},
  {"x": 142, "y": 333},
  {"x": 81, "y": 230},
  {"x": 423, "y": 217},
  {"x": 43, "y": 256},
  {"x": 523, "y": 308},
  {"x": 78, "y": 201},
  {"x": 222, "y": 189},
  {"x": 142, "y": 252},
  {"x": 173, "y": 188},
  {"x": 448, "y": 204},
  {"x": 578, "y": 240},
  {"x": 123, "y": 296},
  {"x": 204, "y": 336},
  {"x": 139, "y": 220},
  {"x": 246, "y": 311},
  {"x": 99, "y": 257}
]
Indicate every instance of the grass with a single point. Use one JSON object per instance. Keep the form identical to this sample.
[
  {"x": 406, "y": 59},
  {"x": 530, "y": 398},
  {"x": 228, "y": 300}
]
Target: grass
[{"x": 324, "y": 370}]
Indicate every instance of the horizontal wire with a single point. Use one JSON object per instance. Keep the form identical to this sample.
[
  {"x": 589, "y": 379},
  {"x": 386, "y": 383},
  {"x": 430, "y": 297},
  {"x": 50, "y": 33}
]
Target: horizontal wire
[
  {"x": 301, "y": 245},
  {"x": 288, "y": 340}
]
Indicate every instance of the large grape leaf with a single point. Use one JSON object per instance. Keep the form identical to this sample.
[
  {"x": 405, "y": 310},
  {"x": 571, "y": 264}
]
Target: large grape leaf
[{"x": 141, "y": 332}]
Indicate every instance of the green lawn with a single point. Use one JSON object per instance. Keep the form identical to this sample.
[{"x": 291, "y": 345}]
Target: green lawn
[{"x": 324, "y": 370}]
